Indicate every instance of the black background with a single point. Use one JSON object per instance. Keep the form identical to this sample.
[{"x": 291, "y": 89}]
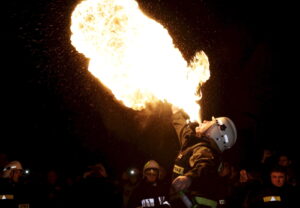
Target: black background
[{"x": 56, "y": 114}]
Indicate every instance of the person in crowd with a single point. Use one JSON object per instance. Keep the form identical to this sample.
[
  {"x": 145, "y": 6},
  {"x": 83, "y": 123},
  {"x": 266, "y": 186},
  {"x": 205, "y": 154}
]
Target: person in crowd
[
  {"x": 266, "y": 162},
  {"x": 275, "y": 194},
  {"x": 14, "y": 192},
  {"x": 52, "y": 191},
  {"x": 196, "y": 168},
  {"x": 150, "y": 192},
  {"x": 285, "y": 160},
  {"x": 266, "y": 155},
  {"x": 249, "y": 183},
  {"x": 130, "y": 180},
  {"x": 97, "y": 189}
]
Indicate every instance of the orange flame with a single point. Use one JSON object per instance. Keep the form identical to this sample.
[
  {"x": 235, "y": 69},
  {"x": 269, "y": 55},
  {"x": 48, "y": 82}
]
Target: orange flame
[{"x": 134, "y": 56}]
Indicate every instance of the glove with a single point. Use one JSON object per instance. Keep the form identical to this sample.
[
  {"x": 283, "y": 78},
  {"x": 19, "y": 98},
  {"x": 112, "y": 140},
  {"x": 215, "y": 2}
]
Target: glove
[
  {"x": 181, "y": 183},
  {"x": 193, "y": 126}
]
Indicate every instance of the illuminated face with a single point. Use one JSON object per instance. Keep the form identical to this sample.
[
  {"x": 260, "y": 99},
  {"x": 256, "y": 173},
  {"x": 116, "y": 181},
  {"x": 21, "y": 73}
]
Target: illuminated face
[
  {"x": 278, "y": 179},
  {"x": 151, "y": 175},
  {"x": 283, "y": 161},
  {"x": 15, "y": 175}
]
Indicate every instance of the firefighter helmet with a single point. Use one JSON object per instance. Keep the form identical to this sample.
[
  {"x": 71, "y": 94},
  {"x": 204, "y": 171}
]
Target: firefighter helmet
[
  {"x": 11, "y": 166},
  {"x": 151, "y": 165},
  {"x": 222, "y": 130}
]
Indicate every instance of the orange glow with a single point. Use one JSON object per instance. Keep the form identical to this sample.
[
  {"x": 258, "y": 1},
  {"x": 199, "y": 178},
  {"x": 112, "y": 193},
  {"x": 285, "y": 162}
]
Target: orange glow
[{"x": 134, "y": 56}]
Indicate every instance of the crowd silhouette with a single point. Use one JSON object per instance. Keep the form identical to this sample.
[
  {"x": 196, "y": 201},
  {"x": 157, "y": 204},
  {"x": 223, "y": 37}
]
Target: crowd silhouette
[{"x": 271, "y": 181}]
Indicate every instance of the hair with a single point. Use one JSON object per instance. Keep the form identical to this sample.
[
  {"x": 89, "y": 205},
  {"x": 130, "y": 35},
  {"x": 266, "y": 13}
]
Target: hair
[{"x": 278, "y": 168}]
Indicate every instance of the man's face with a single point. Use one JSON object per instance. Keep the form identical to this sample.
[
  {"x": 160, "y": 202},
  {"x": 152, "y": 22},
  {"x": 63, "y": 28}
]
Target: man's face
[
  {"x": 202, "y": 128},
  {"x": 283, "y": 161},
  {"x": 15, "y": 175},
  {"x": 278, "y": 179},
  {"x": 151, "y": 175}
]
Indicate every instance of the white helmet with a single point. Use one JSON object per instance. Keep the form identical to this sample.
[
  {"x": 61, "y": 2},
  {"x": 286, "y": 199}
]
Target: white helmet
[
  {"x": 14, "y": 165},
  {"x": 222, "y": 130},
  {"x": 151, "y": 165}
]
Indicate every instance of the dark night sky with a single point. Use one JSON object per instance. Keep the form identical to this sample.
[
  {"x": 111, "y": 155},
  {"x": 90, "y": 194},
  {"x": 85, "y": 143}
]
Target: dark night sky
[{"x": 57, "y": 114}]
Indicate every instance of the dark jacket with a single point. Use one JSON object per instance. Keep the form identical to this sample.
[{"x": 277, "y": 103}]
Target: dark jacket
[
  {"x": 199, "y": 159},
  {"x": 149, "y": 195},
  {"x": 94, "y": 192},
  {"x": 14, "y": 195},
  {"x": 271, "y": 196}
]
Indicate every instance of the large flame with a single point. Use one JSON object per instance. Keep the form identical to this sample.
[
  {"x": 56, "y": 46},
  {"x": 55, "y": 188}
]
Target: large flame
[{"x": 135, "y": 57}]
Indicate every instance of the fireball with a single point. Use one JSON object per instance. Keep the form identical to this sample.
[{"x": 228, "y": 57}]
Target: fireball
[{"x": 135, "y": 57}]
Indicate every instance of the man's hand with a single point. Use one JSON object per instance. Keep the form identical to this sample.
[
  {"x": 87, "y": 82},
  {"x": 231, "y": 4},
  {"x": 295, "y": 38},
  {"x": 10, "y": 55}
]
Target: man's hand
[{"x": 181, "y": 183}]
